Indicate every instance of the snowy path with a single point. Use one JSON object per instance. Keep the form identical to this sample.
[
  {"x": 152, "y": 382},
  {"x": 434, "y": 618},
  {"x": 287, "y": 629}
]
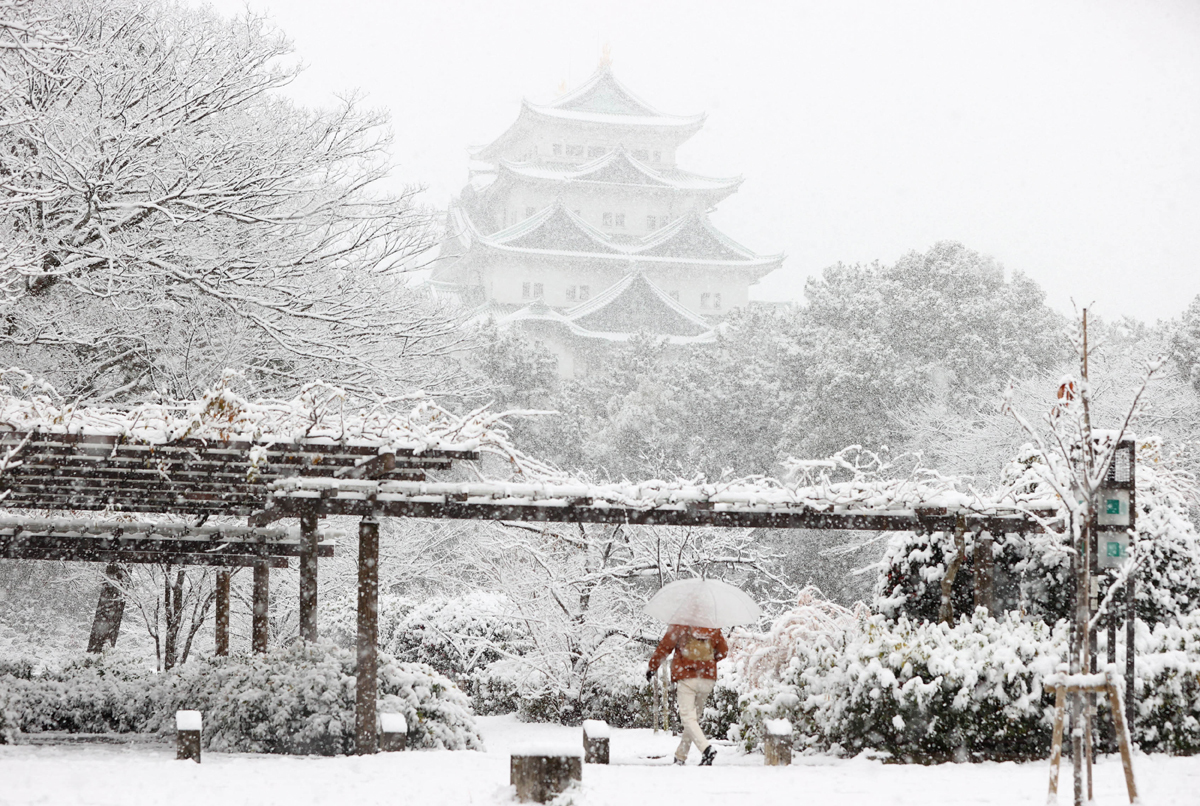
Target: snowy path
[{"x": 131, "y": 775}]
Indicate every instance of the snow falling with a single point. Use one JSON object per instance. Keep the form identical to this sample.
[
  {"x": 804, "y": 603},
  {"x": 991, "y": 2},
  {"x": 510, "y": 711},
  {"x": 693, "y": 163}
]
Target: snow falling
[{"x": 336, "y": 489}]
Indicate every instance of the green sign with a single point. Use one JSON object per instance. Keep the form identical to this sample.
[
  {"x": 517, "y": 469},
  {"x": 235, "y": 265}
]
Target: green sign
[
  {"x": 1112, "y": 506},
  {"x": 1113, "y": 549}
]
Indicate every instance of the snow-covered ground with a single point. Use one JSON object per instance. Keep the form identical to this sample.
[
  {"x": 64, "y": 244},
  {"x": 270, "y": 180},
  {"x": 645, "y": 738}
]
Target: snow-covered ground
[{"x": 641, "y": 772}]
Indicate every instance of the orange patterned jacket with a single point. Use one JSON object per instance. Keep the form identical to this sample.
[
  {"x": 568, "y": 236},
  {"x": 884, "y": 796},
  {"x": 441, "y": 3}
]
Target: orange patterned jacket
[{"x": 693, "y": 658}]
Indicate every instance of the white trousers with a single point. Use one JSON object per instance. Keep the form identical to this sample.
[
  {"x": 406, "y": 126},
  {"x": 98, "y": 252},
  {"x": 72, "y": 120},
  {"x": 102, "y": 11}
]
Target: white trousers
[{"x": 690, "y": 695}]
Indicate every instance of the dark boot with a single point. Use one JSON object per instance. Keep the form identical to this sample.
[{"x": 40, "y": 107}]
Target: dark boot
[{"x": 706, "y": 759}]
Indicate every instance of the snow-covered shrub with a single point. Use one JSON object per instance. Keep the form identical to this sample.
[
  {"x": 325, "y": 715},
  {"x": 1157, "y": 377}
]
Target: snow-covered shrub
[
  {"x": 921, "y": 691},
  {"x": 107, "y": 693},
  {"x": 1167, "y": 715},
  {"x": 459, "y": 637},
  {"x": 615, "y": 690},
  {"x": 300, "y": 699}
]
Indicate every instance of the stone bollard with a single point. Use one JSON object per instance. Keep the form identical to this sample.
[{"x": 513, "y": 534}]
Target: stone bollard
[
  {"x": 393, "y": 732},
  {"x": 188, "y": 725},
  {"x": 540, "y": 776},
  {"x": 777, "y": 745},
  {"x": 595, "y": 741}
]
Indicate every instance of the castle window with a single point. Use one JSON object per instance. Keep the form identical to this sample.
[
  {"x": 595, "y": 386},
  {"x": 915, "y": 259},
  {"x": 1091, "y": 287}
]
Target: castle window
[
  {"x": 538, "y": 292},
  {"x": 607, "y": 219},
  {"x": 530, "y": 211},
  {"x": 557, "y": 149},
  {"x": 717, "y": 301},
  {"x": 576, "y": 212},
  {"x": 651, "y": 222},
  {"x": 571, "y": 293},
  {"x": 640, "y": 154},
  {"x": 675, "y": 295},
  {"x": 619, "y": 219},
  {"x": 584, "y": 292},
  {"x": 574, "y": 150},
  {"x": 658, "y": 156},
  {"x": 706, "y": 300},
  {"x": 524, "y": 290},
  {"x": 596, "y": 151}
]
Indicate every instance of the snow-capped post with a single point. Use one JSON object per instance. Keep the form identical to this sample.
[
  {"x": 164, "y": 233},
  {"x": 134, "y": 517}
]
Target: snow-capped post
[
  {"x": 393, "y": 732},
  {"x": 221, "y": 614},
  {"x": 262, "y": 593},
  {"x": 188, "y": 725},
  {"x": 1116, "y": 522},
  {"x": 110, "y": 609},
  {"x": 777, "y": 744},
  {"x": 308, "y": 577},
  {"x": 595, "y": 741},
  {"x": 366, "y": 740},
  {"x": 542, "y": 775}
]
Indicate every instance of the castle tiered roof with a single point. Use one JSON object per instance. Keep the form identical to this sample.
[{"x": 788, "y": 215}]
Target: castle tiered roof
[
  {"x": 616, "y": 168},
  {"x": 621, "y": 310},
  {"x": 600, "y": 100},
  {"x": 556, "y": 231}
]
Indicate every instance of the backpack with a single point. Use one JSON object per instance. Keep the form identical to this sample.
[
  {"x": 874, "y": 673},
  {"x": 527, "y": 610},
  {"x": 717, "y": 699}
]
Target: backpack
[{"x": 694, "y": 648}]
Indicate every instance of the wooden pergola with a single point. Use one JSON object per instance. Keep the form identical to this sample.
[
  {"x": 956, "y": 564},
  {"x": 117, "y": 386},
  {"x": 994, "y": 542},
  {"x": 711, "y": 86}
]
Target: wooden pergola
[{"x": 266, "y": 466}]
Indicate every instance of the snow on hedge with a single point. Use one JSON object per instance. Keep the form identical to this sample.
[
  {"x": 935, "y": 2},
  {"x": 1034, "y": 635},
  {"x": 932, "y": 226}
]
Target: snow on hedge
[{"x": 300, "y": 700}]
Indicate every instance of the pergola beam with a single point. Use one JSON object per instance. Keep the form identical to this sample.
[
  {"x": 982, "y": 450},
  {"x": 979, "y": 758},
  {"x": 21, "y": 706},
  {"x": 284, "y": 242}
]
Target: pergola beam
[{"x": 561, "y": 511}]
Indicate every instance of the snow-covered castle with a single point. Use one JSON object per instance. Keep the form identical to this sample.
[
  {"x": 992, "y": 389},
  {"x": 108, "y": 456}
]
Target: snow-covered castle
[{"x": 577, "y": 227}]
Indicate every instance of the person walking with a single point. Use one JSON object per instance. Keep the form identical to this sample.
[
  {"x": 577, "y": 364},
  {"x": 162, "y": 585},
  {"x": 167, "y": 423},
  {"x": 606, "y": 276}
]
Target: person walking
[{"x": 694, "y": 671}]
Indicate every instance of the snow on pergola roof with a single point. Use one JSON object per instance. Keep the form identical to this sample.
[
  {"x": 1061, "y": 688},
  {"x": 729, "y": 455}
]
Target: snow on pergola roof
[
  {"x": 216, "y": 455},
  {"x": 320, "y": 415},
  {"x": 921, "y": 501}
]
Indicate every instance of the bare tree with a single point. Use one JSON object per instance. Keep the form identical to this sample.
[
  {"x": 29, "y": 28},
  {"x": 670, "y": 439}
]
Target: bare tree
[
  {"x": 174, "y": 605},
  {"x": 166, "y": 213}
]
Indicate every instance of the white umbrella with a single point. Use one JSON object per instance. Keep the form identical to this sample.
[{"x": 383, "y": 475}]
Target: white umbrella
[{"x": 702, "y": 603}]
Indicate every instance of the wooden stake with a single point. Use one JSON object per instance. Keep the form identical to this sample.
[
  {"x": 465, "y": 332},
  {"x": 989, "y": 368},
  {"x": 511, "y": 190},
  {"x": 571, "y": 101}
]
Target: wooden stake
[
  {"x": 366, "y": 739},
  {"x": 1122, "y": 729},
  {"x": 1056, "y": 743}
]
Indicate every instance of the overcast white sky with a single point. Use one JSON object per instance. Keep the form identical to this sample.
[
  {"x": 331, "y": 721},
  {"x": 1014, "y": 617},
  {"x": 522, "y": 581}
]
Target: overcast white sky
[{"x": 1063, "y": 138}]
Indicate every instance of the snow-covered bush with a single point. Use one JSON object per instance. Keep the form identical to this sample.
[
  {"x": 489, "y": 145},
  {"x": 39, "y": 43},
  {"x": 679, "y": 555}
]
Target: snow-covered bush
[
  {"x": 108, "y": 693},
  {"x": 460, "y": 636},
  {"x": 614, "y": 690},
  {"x": 300, "y": 699},
  {"x": 921, "y": 691},
  {"x": 1168, "y": 688}
]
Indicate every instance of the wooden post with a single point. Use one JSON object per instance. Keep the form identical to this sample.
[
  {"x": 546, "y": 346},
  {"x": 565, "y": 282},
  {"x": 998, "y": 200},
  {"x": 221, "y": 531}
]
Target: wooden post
[
  {"x": 221, "y": 616},
  {"x": 110, "y": 609},
  {"x": 1130, "y": 649},
  {"x": 262, "y": 595},
  {"x": 308, "y": 578},
  {"x": 393, "y": 733},
  {"x": 366, "y": 739},
  {"x": 595, "y": 741},
  {"x": 541, "y": 777},
  {"x": 777, "y": 744},
  {"x": 188, "y": 726}
]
